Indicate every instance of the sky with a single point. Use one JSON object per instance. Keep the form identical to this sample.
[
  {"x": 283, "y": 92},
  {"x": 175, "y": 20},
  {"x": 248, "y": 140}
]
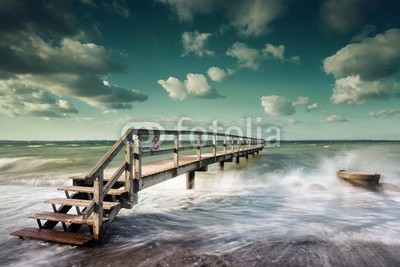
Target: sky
[{"x": 315, "y": 69}]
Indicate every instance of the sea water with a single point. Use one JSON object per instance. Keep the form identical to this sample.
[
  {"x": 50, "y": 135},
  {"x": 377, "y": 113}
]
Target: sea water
[{"x": 286, "y": 194}]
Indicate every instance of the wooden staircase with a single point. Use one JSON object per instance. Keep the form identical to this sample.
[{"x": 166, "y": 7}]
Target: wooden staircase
[{"x": 65, "y": 224}]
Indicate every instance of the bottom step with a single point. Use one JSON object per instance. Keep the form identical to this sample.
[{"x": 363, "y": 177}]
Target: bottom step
[{"x": 54, "y": 236}]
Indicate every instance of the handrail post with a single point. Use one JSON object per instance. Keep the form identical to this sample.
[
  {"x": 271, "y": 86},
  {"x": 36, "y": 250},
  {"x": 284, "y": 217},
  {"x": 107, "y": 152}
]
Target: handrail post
[
  {"x": 129, "y": 171},
  {"x": 214, "y": 140},
  {"x": 137, "y": 164},
  {"x": 198, "y": 147},
  {"x": 233, "y": 144},
  {"x": 176, "y": 150},
  {"x": 98, "y": 208}
]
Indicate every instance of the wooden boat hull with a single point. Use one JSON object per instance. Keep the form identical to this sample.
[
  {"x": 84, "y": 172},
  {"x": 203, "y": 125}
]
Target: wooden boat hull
[{"x": 368, "y": 179}]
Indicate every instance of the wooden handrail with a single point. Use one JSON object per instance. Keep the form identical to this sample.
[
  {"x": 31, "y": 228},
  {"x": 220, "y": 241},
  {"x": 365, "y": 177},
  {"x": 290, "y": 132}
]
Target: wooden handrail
[{"x": 108, "y": 157}]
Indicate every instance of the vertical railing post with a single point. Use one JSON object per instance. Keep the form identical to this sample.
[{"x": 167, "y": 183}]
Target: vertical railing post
[
  {"x": 214, "y": 147},
  {"x": 233, "y": 144},
  {"x": 176, "y": 150},
  {"x": 98, "y": 208},
  {"x": 137, "y": 164},
  {"x": 129, "y": 171},
  {"x": 198, "y": 147}
]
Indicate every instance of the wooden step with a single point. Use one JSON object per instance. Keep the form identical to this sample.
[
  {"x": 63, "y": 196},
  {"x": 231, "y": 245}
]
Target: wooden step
[
  {"x": 79, "y": 202},
  {"x": 76, "y": 239},
  {"x": 121, "y": 180},
  {"x": 87, "y": 189},
  {"x": 62, "y": 217}
]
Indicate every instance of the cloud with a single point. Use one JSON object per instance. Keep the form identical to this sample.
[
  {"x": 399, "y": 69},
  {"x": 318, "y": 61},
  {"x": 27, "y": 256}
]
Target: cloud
[
  {"x": 334, "y": 118},
  {"x": 295, "y": 60},
  {"x": 218, "y": 75},
  {"x": 251, "y": 58},
  {"x": 39, "y": 53},
  {"x": 301, "y": 101},
  {"x": 344, "y": 16},
  {"x": 365, "y": 70},
  {"x": 292, "y": 121},
  {"x": 275, "y": 52},
  {"x": 18, "y": 100},
  {"x": 353, "y": 90},
  {"x": 312, "y": 106},
  {"x": 174, "y": 87},
  {"x": 372, "y": 58},
  {"x": 384, "y": 113},
  {"x": 277, "y": 105},
  {"x": 250, "y": 18},
  {"x": 117, "y": 6},
  {"x": 196, "y": 43},
  {"x": 365, "y": 32},
  {"x": 195, "y": 85}
]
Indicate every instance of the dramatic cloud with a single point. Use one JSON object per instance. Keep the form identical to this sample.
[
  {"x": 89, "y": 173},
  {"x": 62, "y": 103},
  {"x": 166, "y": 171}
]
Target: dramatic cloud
[
  {"x": 334, "y": 118},
  {"x": 195, "y": 85},
  {"x": 196, "y": 43},
  {"x": 250, "y": 18},
  {"x": 18, "y": 100},
  {"x": 344, "y": 16},
  {"x": 39, "y": 53},
  {"x": 251, "y": 58},
  {"x": 218, "y": 75},
  {"x": 277, "y": 105},
  {"x": 365, "y": 70},
  {"x": 353, "y": 90},
  {"x": 384, "y": 113},
  {"x": 372, "y": 58},
  {"x": 301, "y": 101}
]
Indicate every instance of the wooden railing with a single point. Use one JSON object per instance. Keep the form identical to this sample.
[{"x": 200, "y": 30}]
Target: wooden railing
[{"x": 132, "y": 165}]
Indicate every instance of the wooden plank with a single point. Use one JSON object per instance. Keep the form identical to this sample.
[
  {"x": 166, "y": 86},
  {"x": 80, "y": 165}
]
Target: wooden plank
[
  {"x": 76, "y": 239},
  {"x": 87, "y": 189},
  {"x": 79, "y": 202},
  {"x": 62, "y": 217}
]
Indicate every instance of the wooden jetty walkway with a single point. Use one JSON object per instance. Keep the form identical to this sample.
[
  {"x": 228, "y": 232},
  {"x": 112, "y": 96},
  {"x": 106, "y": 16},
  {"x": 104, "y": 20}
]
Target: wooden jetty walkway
[{"x": 98, "y": 196}]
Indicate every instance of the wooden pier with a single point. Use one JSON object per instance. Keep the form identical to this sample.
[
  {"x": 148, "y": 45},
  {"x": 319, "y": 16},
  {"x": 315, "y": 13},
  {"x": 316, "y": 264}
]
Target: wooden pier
[{"x": 98, "y": 196}]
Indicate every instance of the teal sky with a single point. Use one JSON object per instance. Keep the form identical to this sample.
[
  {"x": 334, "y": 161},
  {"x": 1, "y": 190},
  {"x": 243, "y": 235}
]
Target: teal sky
[{"x": 325, "y": 69}]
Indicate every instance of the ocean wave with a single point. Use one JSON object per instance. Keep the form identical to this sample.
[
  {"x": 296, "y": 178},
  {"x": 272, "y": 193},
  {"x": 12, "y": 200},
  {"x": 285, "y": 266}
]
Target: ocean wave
[
  {"x": 26, "y": 164},
  {"x": 35, "y": 146}
]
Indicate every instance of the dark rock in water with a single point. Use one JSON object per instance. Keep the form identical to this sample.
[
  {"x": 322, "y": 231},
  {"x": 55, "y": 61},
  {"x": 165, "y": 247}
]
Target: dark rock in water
[
  {"x": 389, "y": 187},
  {"x": 317, "y": 187}
]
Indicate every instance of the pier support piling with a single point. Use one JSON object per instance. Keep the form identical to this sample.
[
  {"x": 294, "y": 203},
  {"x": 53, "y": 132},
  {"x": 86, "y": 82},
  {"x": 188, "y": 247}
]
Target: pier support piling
[
  {"x": 221, "y": 165},
  {"x": 237, "y": 159},
  {"x": 190, "y": 179}
]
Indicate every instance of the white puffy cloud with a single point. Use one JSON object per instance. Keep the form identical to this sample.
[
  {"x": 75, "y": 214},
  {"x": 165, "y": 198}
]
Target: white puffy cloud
[
  {"x": 365, "y": 70},
  {"x": 247, "y": 57},
  {"x": 295, "y": 60},
  {"x": 250, "y": 18},
  {"x": 218, "y": 75},
  {"x": 174, "y": 87},
  {"x": 195, "y": 85},
  {"x": 312, "y": 106},
  {"x": 251, "y": 58},
  {"x": 353, "y": 90},
  {"x": 334, "y": 118},
  {"x": 372, "y": 58},
  {"x": 275, "y": 52},
  {"x": 384, "y": 113},
  {"x": 301, "y": 101},
  {"x": 196, "y": 43},
  {"x": 277, "y": 105}
]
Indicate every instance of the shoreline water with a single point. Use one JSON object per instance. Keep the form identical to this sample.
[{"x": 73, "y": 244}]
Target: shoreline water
[{"x": 265, "y": 210}]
